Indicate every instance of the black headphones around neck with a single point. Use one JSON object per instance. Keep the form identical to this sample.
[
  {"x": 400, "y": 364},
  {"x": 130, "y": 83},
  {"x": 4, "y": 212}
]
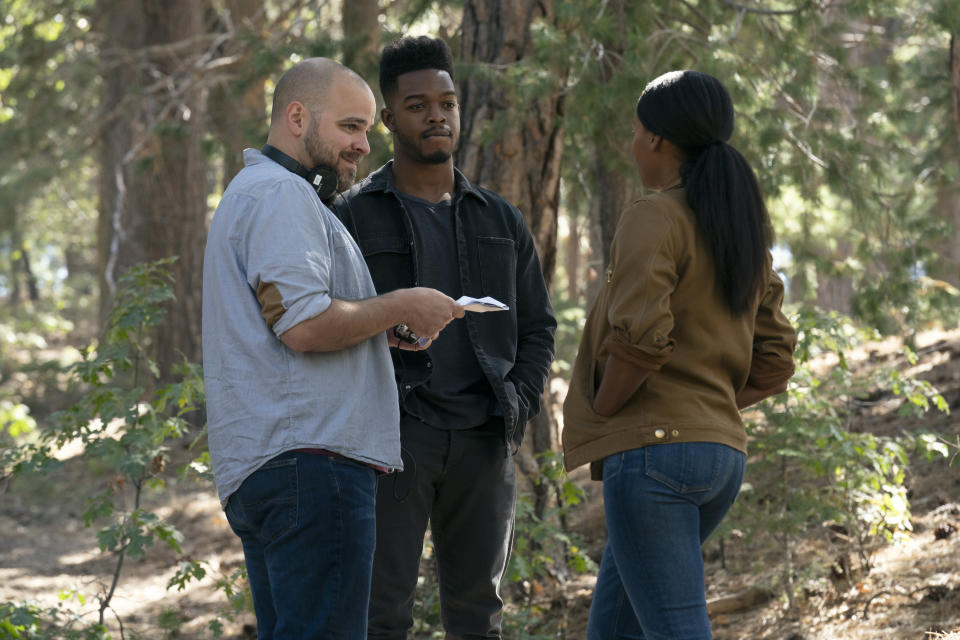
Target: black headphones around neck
[{"x": 322, "y": 178}]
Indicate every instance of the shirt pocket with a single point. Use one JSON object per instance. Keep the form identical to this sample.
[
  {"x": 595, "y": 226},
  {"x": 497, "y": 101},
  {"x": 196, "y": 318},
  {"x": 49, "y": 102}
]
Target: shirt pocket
[
  {"x": 498, "y": 269},
  {"x": 349, "y": 274},
  {"x": 389, "y": 261}
]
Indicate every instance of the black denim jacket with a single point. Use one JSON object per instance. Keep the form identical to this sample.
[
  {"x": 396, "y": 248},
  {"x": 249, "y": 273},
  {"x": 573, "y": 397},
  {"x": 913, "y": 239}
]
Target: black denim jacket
[{"x": 497, "y": 258}]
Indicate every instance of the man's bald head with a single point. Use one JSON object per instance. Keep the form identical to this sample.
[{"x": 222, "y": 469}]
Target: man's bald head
[{"x": 308, "y": 82}]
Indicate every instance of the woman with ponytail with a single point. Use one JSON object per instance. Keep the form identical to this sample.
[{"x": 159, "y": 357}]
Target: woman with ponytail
[{"x": 687, "y": 331}]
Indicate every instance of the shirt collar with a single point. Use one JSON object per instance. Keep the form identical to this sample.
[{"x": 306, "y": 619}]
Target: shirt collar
[{"x": 382, "y": 180}]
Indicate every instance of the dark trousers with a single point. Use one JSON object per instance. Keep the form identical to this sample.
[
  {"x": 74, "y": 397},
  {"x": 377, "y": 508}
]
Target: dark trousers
[{"x": 464, "y": 485}]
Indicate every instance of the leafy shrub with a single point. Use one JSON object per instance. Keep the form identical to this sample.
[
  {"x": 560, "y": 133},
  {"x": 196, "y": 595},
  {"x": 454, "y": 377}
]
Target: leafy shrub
[
  {"x": 810, "y": 465},
  {"x": 122, "y": 426}
]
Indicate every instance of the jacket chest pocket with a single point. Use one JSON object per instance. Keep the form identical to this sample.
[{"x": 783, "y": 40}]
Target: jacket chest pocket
[
  {"x": 388, "y": 258},
  {"x": 498, "y": 269}
]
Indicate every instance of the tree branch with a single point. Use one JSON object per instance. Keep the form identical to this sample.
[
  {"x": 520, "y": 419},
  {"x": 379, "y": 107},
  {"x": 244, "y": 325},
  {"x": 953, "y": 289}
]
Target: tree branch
[
  {"x": 897, "y": 592},
  {"x": 768, "y": 12}
]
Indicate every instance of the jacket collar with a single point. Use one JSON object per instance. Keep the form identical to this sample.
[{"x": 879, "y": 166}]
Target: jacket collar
[{"x": 382, "y": 180}]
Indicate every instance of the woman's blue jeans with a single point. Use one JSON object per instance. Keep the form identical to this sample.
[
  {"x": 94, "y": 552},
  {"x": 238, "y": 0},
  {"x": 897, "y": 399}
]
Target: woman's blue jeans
[
  {"x": 661, "y": 503},
  {"x": 308, "y": 528}
]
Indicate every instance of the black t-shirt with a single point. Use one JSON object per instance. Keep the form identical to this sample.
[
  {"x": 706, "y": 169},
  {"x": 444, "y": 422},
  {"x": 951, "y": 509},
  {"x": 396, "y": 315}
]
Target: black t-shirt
[{"x": 457, "y": 395}]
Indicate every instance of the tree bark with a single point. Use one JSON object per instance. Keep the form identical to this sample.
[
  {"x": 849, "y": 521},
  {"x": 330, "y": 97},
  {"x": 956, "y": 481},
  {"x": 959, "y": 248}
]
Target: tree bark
[
  {"x": 574, "y": 258},
  {"x": 613, "y": 165},
  {"x": 514, "y": 147},
  {"x": 238, "y": 106},
  {"x": 153, "y": 173},
  {"x": 948, "y": 199},
  {"x": 361, "y": 35},
  {"x": 955, "y": 88},
  {"x": 522, "y": 162},
  {"x": 120, "y": 233}
]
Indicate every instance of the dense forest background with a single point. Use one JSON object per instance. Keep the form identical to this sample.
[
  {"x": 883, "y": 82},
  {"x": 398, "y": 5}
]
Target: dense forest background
[{"x": 121, "y": 122}]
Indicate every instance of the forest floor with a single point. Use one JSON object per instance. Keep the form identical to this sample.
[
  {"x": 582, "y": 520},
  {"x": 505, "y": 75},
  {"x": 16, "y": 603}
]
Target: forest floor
[{"x": 911, "y": 590}]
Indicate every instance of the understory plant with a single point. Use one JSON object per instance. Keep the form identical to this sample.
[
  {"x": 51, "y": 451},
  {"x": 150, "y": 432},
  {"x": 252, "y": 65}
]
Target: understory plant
[
  {"x": 812, "y": 464},
  {"x": 123, "y": 426}
]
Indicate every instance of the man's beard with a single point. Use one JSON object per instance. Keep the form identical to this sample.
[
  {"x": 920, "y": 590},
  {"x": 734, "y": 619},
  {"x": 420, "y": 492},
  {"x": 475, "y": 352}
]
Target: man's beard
[
  {"x": 412, "y": 149},
  {"x": 321, "y": 153}
]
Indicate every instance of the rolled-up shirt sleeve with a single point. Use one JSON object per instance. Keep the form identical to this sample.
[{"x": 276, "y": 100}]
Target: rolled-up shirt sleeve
[
  {"x": 642, "y": 277},
  {"x": 288, "y": 256},
  {"x": 774, "y": 340}
]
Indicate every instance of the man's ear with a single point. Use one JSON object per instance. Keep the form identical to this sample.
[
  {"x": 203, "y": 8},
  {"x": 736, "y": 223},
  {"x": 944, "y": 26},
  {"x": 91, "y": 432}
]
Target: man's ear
[
  {"x": 386, "y": 116},
  {"x": 656, "y": 142},
  {"x": 296, "y": 118}
]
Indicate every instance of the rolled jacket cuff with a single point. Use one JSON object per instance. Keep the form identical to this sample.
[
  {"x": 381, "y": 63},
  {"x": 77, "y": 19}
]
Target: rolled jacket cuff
[
  {"x": 768, "y": 372},
  {"x": 618, "y": 345}
]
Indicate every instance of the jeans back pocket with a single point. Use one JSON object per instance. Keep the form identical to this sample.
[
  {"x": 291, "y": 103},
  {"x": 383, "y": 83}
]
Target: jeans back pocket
[
  {"x": 267, "y": 501},
  {"x": 685, "y": 467}
]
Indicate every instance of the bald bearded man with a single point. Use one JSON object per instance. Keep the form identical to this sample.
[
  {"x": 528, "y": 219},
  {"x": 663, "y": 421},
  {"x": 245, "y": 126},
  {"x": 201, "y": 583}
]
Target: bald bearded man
[{"x": 301, "y": 402}]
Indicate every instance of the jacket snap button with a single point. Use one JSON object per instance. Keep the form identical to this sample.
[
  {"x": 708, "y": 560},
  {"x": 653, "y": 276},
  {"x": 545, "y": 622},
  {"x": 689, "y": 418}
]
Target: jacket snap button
[
  {"x": 674, "y": 433},
  {"x": 429, "y": 365},
  {"x": 406, "y": 386},
  {"x": 660, "y": 433}
]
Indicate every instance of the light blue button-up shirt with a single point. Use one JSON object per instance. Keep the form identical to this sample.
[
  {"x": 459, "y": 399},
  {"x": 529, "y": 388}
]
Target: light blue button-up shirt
[{"x": 262, "y": 398}]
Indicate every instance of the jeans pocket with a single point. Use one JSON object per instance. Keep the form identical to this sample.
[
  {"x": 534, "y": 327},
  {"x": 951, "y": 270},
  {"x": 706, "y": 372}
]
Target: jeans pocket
[
  {"x": 404, "y": 480},
  {"x": 267, "y": 501},
  {"x": 612, "y": 465},
  {"x": 685, "y": 467}
]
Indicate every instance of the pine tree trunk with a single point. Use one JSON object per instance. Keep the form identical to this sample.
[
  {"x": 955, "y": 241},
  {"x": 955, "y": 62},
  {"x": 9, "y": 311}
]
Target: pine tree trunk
[
  {"x": 120, "y": 233},
  {"x": 522, "y": 162},
  {"x": 153, "y": 172}
]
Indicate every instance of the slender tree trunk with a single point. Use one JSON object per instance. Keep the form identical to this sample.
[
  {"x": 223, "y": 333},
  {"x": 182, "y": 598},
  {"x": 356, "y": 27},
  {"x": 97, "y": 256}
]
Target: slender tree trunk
[
  {"x": 955, "y": 88},
  {"x": 21, "y": 269},
  {"x": 33, "y": 292},
  {"x": 574, "y": 258}
]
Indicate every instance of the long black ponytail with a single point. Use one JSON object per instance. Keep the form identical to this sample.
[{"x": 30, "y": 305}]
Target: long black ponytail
[{"x": 693, "y": 110}]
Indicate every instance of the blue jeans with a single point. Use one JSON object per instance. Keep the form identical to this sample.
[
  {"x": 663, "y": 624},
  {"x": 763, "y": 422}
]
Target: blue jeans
[
  {"x": 661, "y": 503},
  {"x": 307, "y": 524}
]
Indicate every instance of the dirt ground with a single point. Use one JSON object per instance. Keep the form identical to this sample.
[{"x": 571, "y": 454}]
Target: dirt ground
[{"x": 911, "y": 592}]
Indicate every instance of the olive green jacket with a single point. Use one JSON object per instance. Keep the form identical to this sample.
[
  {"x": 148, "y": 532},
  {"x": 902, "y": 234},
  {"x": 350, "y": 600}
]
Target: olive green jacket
[{"x": 662, "y": 310}]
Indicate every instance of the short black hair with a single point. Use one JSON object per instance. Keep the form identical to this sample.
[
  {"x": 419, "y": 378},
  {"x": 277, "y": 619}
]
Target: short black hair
[{"x": 412, "y": 54}]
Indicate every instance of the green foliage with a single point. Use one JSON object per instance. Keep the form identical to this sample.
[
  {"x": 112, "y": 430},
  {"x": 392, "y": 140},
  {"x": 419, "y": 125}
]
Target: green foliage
[
  {"x": 121, "y": 426},
  {"x": 48, "y": 92},
  {"x": 571, "y": 319},
  {"x": 811, "y": 465},
  {"x": 15, "y": 421},
  {"x": 840, "y": 110},
  {"x": 541, "y": 543},
  {"x": 234, "y": 587},
  {"x": 26, "y": 621}
]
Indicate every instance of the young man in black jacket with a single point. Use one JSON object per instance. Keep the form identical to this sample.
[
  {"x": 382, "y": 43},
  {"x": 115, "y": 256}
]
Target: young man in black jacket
[{"x": 465, "y": 400}]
